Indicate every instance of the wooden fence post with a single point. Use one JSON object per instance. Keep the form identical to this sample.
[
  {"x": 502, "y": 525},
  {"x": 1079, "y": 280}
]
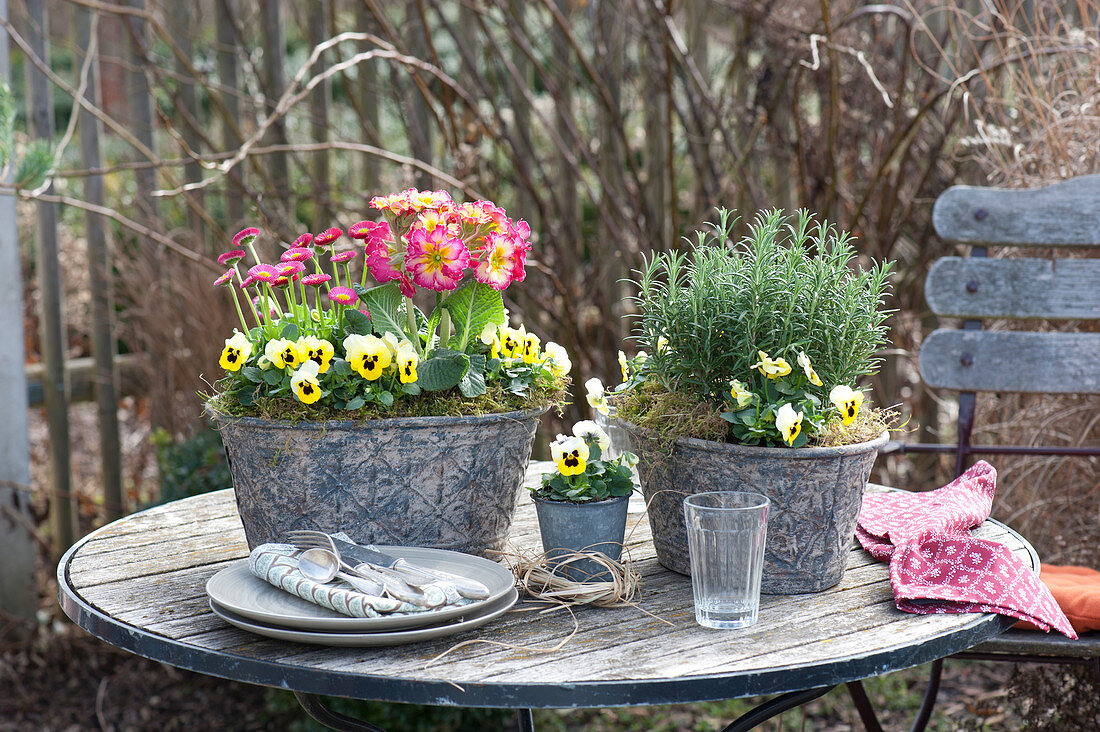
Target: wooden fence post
[
  {"x": 51, "y": 309},
  {"x": 18, "y": 593},
  {"x": 103, "y": 342}
]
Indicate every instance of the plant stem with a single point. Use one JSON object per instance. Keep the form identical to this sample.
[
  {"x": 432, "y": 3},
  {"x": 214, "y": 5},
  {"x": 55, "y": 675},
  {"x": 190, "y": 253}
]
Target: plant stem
[
  {"x": 410, "y": 326},
  {"x": 444, "y": 328},
  {"x": 237, "y": 302}
]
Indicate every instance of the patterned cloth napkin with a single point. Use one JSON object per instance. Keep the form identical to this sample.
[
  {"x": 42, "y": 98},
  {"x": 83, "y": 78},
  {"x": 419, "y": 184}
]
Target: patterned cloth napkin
[
  {"x": 936, "y": 566},
  {"x": 277, "y": 564}
]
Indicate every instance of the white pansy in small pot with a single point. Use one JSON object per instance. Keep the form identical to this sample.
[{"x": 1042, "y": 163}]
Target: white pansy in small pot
[{"x": 582, "y": 504}]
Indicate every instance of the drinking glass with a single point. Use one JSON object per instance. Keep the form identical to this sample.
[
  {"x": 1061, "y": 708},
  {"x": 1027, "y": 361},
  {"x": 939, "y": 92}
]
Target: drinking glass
[{"x": 726, "y": 532}]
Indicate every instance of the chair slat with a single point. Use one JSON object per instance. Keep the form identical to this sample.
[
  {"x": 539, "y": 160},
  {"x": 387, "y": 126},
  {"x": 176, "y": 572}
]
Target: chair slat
[
  {"x": 974, "y": 360},
  {"x": 1063, "y": 214},
  {"x": 1063, "y": 289}
]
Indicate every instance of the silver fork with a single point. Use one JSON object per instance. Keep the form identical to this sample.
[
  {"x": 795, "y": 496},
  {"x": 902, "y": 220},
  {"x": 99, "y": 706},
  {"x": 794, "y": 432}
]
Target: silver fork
[{"x": 397, "y": 585}]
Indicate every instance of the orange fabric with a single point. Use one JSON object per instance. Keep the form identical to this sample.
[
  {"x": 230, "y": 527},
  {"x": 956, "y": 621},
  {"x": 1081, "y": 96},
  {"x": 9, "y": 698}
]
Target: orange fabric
[{"x": 1077, "y": 590}]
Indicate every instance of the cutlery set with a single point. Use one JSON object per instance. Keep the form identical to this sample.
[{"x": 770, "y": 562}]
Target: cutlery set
[{"x": 381, "y": 576}]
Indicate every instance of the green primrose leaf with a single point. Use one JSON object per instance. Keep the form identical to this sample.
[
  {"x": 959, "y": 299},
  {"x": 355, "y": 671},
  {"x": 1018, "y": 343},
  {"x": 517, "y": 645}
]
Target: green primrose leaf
[
  {"x": 273, "y": 376},
  {"x": 473, "y": 306},
  {"x": 253, "y": 374},
  {"x": 385, "y": 398},
  {"x": 384, "y": 304},
  {"x": 356, "y": 403},
  {"x": 442, "y": 370},
  {"x": 357, "y": 322},
  {"x": 289, "y": 331}
]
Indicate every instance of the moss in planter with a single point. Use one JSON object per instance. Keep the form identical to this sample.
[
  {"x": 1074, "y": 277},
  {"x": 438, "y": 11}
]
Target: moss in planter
[
  {"x": 442, "y": 404},
  {"x": 673, "y": 415}
]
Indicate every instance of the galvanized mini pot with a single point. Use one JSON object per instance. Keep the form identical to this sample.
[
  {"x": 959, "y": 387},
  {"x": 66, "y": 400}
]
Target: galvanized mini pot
[
  {"x": 815, "y": 495},
  {"x": 440, "y": 482},
  {"x": 566, "y": 527}
]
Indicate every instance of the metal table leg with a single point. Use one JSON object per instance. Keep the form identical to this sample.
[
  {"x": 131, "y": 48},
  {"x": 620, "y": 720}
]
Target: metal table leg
[
  {"x": 315, "y": 708},
  {"x": 775, "y": 706}
]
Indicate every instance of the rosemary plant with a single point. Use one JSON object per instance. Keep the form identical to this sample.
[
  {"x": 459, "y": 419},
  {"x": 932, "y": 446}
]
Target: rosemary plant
[{"x": 778, "y": 318}]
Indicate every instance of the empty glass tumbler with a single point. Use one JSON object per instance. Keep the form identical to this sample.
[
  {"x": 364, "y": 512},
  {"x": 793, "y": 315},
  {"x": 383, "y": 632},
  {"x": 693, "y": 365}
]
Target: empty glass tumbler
[{"x": 726, "y": 532}]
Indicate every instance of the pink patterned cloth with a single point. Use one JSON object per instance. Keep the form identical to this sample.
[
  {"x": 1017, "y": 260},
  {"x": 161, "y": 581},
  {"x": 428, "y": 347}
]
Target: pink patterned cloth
[{"x": 936, "y": 566}]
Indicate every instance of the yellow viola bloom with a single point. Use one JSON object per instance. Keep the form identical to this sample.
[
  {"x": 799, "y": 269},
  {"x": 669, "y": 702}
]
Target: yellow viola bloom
[
  {"x": 530, "y": 348},
  {"x": 624, "y": 366},
  {"x": 393, "y": 344},
  {"x": 595, "y": 395},
  {"x": 804, "y": 362},
  {"x": 284, "y": 354},
  {"x": 511, "y": 342},
  {"x": 848, "y": 401},
  {"x": 789, "y": 423},
  {"x": 589, "y": 431},
  {"x": 490, "y": 336},
  {"x": 740, "y": 394},
  {"x": 662, "y": 344},
  {"x": 772, "y": 368},
  {"x": 557, "y": 358},
  {"x": 368, "y": 355},
  {"x": 407, "y": 361},
  {"x": 236, "y": 352},
  {"x": 304, "y": 383},
  {"x": 570, "y": 454},
  {"x": 316, "y": 350}
]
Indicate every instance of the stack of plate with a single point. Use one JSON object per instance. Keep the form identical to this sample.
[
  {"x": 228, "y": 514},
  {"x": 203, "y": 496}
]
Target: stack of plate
[{"x": 248, "y": 602}]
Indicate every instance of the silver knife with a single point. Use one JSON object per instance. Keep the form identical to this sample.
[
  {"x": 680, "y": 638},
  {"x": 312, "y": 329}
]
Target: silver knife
[{"x": 467, "y": 587}]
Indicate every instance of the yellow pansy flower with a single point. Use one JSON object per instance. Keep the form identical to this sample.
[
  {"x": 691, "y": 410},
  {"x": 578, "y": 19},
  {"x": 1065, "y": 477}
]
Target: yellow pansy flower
[
  {"x": 316, "y": 350},
  {"x": 789, "y": 423},
  {"x": 772, "y": 368},
  {"x": 304, "y": 383},
  {"x": 368, "y": 355},
  {"x": 558, "y": 359},
  {"x": 407, "y": 361},
  {"x": 530, "y": 348},
  {"x": 595, "y": 395},
  {"x": 511, "y": 342},
  {"x": 284, "y": 353},
  {"x": 570, "y": 454},
  {"x": 236, "y": 352},
  {"x": 589, "y": 431},
  {"x": 740, "y": 394},
  {"x": 804, "y": 362},
  {"x": 624, "y": 366},
  {"x": 848, "y": 401}
]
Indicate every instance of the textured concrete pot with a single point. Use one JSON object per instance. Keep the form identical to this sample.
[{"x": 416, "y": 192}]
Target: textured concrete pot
[
  {"x": 441, "y": 482},
  {"x": 582, "y": 527},
  {"x": 815, "y": 496}
]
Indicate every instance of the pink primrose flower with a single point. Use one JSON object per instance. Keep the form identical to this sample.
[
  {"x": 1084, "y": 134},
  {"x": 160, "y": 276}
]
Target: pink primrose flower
[
  {"x": 316, "y": 280},
  {"x": 436, "y": 260},
  {"x": 225, "y": 278},
  {"x": 297, "y": 254},
  {"x": 263, "y": 273},
  {"x": 396, "y": 203},
  {"x": 244, "y": 237},
  {"x": 231, "y": 257},
  {"x": 327, "y": 236},
  {"x": 338, "y": 257},
  {"x": 496, "y": 264},
  {"x": 258, "y": 303},
  {"x": 343, "y": 295},
  {"x": 303, "y": 240}
]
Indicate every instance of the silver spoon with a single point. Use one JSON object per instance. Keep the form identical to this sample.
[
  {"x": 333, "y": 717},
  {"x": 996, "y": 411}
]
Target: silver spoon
[{"x": 321, "y": 565}]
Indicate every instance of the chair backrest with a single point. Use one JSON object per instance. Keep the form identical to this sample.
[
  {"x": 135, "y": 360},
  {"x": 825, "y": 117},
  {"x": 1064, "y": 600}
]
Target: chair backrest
[{"x": 969, "y": 359}]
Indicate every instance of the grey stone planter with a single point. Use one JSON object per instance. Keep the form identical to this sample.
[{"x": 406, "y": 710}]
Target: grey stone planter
[
  {"x": 441, "y": 482},
  {"x": 587, "y": 527},
  {"x": 815, "y": 496}
]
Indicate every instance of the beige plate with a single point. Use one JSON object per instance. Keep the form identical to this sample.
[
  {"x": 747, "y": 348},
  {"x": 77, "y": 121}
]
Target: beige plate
[
  {"x": 389, "y": 638},
  {"x": 239, "y": 591}
]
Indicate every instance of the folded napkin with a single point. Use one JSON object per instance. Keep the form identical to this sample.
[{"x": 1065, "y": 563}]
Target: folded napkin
[
  {"x": 276, "y": 564},
  {"x": 936, "y": 566}
]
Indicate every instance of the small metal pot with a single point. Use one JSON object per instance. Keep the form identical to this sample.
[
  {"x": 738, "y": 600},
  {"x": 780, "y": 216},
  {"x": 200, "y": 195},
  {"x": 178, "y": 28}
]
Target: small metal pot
[{"x": 589, "y": 527}]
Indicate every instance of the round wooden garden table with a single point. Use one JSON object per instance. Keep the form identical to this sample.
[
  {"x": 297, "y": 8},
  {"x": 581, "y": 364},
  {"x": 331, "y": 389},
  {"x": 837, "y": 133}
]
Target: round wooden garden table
[{"x": 138, "y": 583}]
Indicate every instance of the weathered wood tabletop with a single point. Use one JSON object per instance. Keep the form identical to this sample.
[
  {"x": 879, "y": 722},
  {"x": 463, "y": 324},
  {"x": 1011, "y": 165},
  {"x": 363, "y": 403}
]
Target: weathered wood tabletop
[{"x": 138, "y": 583}]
